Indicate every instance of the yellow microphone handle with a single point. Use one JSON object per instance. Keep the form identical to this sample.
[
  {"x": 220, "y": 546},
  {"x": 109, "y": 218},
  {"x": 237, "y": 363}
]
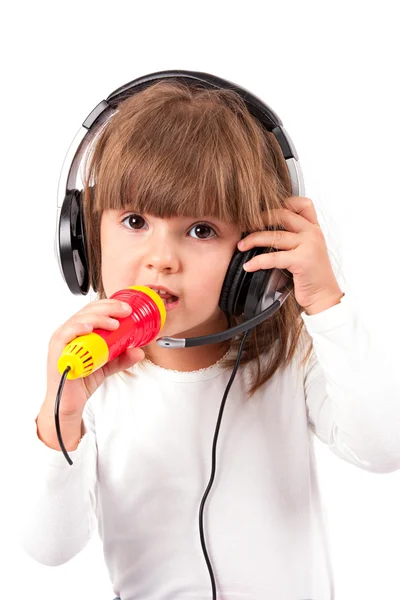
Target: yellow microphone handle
[{"x": 84, "y": 355}]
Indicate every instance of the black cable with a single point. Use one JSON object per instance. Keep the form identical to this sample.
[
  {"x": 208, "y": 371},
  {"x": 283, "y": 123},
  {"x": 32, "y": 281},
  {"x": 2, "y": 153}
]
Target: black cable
[
  {"x": 56, "y": 408},
  {"x": 214, "y": 448},
  {"x": 221, "y": 410}
]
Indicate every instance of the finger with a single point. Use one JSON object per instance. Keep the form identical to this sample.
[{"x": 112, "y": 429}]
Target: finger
[
  {"x": 281, "y": 240},
  {"x": 289, "y": 220},
  {"x": 298, "y": 214},
  {"x": 302, "y": 206},
  {"x": 270, "y": 260},
  {"x": 81, "y": 325},
  {"x": 107, "y": 307},
  {"x": 98, "y": 321}
]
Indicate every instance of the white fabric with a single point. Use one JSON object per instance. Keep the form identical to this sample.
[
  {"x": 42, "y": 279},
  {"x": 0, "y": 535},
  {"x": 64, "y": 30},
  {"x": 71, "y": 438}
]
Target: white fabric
[{"x": 144, "y": 463}]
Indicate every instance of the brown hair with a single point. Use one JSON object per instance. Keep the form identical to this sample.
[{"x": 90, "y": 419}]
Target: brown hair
[{"x": 190, "y": 151}]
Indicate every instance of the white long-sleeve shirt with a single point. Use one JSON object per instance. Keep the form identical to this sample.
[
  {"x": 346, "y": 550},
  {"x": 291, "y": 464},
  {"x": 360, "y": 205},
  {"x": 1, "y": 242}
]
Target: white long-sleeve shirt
[{"x": 143, "y": 465}]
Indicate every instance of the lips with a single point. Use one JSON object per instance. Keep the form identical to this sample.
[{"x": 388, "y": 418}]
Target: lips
[
  {"x": 168, "y": 297},
  {"x": 161, "y": 288}
]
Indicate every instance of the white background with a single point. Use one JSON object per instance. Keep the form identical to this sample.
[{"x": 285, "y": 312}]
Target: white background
[{"x": 330, "y": 71}]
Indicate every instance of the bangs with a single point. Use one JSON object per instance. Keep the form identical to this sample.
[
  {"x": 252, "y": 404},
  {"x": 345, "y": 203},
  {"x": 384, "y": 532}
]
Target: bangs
[{"x": 185, "y": 153}]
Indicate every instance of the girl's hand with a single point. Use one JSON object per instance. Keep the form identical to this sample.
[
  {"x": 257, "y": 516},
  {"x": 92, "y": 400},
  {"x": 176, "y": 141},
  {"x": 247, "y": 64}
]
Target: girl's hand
[
  {"x": 76, "y": 392},
  {"x": 305, "y": 253}
]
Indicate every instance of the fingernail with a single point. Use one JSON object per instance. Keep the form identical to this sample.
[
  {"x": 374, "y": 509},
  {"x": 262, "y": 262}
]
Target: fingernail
[{"x": 126, "y": 307}]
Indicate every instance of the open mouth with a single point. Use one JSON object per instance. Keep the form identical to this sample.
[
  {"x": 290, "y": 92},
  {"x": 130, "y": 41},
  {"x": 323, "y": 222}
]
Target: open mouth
[
  {"x": 170, "y": 303},
  {"x": 168, "y": 298}
]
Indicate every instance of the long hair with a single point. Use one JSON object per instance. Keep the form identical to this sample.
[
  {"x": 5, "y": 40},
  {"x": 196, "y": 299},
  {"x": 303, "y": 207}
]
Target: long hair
[{"x": 183, "y": 151}]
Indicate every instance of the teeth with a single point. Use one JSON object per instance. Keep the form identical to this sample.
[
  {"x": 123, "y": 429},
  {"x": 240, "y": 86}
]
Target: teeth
[
  {"x": 168, "y": 300},
  {"x": 161, "y": 292}
]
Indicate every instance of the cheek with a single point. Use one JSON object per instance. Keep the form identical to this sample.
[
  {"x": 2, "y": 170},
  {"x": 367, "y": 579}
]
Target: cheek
[
  {"x": 208, "y": 280},
  {"x": 116, "y": 271}
]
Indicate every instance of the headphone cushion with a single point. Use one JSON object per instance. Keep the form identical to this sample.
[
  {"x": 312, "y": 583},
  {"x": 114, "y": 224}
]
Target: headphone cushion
[{"x": 235, "y": 274}]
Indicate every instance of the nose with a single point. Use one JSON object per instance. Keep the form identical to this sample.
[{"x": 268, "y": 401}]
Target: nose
[{"x": 161, "y": 254}]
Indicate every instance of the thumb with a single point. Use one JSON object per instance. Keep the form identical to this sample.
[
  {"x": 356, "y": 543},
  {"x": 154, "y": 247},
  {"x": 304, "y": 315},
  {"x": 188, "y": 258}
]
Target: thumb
[
  {"x": 125, "y": 360},
  {"x": 131, "y": 356}
]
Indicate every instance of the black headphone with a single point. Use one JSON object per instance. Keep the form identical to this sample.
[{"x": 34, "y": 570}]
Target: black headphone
[{"x": 257, "y": 295}]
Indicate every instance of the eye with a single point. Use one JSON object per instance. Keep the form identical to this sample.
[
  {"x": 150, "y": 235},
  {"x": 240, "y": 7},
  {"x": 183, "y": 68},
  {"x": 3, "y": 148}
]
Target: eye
[
  {"x": 200, "y": 228},
  {"x": 134, "y": 219}
]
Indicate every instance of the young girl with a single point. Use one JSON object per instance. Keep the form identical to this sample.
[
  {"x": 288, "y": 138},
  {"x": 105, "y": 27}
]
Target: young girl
[{"x": 174, "y": 179}]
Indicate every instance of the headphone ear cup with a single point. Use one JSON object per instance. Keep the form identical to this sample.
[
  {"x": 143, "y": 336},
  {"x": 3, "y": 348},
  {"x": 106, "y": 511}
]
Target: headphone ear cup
[
  {"x": 237, "y": 283},
  {"x": 233, "y": 268},
  {"x": 266, "y": 286},
  {"x": 91, "y": 191},
  {"x": 84, "y": 241},
  {"x": 248, "y": 294},
  {"x": 72, "y": 241}
]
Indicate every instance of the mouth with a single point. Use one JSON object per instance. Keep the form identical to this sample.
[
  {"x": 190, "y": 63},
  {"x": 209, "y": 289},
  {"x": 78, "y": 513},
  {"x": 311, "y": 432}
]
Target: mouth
[
  {"x": 170, "y": 303},
  {"x": 168, "y": 299},
  {"x": 167, "y": 295}
]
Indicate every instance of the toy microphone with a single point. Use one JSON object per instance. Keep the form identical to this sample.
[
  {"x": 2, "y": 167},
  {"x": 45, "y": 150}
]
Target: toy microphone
[{"x": 86, "y": 353}]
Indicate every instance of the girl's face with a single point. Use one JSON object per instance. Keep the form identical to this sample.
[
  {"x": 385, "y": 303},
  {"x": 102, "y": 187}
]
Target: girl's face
[{"x": 189, "y": 256}]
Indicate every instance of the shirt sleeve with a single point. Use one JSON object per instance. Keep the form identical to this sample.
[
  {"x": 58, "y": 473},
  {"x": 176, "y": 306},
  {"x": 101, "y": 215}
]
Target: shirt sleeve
[
  {"x": 352, "y": 396},
  {"x": 58, "y": 512}
]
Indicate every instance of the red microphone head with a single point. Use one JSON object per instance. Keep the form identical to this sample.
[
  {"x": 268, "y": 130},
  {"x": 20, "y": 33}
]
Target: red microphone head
[{"x": 148, "y": 316}]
